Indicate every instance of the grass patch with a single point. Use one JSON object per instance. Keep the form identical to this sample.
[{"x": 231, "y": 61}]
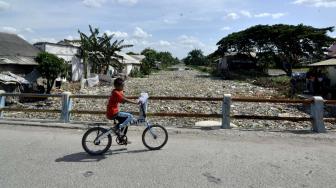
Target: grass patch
[
  {"x": 279, "y": 83},
  {"x": 204, "y": 69}
]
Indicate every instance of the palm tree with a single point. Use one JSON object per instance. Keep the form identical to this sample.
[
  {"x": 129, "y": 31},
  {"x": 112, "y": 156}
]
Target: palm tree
[{"x": 100, "y": 51}]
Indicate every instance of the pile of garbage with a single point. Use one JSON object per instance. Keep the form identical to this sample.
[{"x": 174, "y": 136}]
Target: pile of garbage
[
  {"x": 10, "y": 82},
  {"x": 184, "y": 83}
]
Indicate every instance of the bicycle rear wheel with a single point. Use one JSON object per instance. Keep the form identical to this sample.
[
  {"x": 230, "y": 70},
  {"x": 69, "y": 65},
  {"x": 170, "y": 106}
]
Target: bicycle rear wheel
[
  {"x": 155, "y": 137},
  {"x": 91, "y": 145}
]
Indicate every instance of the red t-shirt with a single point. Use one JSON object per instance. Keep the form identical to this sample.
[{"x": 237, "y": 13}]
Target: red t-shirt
[{"x": 113, "y": 104}]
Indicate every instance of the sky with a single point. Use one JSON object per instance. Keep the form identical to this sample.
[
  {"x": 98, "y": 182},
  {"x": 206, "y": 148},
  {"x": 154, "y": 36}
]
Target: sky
[{"x": 177, "y": 26}]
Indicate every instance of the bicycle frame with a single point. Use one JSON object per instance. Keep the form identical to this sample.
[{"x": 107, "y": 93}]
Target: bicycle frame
[{"x": 135, "y": 121}]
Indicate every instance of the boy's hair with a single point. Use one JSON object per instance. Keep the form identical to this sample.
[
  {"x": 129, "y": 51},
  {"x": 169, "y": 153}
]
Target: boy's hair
[{"x": 118, "y": 82}]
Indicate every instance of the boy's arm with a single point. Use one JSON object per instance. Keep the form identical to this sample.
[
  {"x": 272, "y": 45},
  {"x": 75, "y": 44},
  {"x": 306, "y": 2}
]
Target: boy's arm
[{"x": 130, "y": 101}]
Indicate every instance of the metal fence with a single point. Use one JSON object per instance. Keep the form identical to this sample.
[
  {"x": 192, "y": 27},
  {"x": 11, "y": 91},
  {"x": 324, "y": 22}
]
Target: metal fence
[{"x": 316, "y": 103}]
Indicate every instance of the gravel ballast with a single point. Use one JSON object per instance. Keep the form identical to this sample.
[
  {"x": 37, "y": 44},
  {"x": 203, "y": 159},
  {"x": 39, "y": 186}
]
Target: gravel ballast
[{"x": 184, "y": 83}]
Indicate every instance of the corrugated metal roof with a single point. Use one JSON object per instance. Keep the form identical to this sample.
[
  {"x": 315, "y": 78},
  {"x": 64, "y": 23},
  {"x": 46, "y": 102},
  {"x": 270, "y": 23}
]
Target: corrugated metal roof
[
  {"x": 13, "y": 45},
  {"x": 17, "y": 60},
  {"x": 329, "y": 62},
  {"x": 138, "y": 57},
  {"x": 127, "y": 59}
]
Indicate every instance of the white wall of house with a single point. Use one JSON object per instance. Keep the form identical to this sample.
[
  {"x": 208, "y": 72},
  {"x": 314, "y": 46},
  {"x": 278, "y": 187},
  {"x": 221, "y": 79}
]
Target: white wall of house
[
  {"x": 69, "y": 54},
  {"x": 65, "y": 51},
  {"x": 332, "y": 51},
  {"x": 331, "y": 71},
  {"x": 77, "y": 69},
  {"x": 128, "y": 69}
]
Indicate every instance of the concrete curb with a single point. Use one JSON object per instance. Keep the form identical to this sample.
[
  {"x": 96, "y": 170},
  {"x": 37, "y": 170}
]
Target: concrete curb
[
  {"x": 225, "y": 133},
  {"x": 44, "y": 124},
  {"x": 85, "y": 125}
]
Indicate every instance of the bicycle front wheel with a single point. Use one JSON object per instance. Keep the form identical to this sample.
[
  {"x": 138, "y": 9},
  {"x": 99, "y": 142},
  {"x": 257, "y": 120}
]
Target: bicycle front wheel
[
  {"x": 155, "y": 137},
  {"x": 90, "y": 143}
]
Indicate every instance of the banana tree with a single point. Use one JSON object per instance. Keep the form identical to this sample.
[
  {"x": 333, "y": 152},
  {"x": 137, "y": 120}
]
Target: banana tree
[{"x": 100, "y": 51}]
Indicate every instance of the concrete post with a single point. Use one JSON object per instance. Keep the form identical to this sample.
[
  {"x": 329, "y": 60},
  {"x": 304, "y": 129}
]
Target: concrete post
[
  {"x": 226, "y": 111},
  {"x": 66, "y": 107},
  {"x": 2, "y": 102},
  {"x": 317, "y": 111}
]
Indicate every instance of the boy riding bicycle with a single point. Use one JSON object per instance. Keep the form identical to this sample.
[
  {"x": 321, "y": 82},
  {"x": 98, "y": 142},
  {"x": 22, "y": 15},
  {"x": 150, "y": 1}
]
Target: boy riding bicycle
[{"x": 112, "y": 112}]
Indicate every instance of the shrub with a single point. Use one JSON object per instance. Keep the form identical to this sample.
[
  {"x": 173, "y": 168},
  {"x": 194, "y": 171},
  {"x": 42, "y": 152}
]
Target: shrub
[
  {"x": 50, "y": 67},
  {"x": 135, "y": 72}
]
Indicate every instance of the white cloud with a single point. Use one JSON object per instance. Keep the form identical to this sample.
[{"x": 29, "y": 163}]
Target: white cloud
[
  {"x": 164, "y": 43},
  {"x": 131, "y": 41},
  {"x": 93, "y": 3},
  {"x": 226, "y": 28},
  {"x": 316, "y": 3},
  {"x": 246, "y": 13},
  {"x": 127, "y": 2},
  {"x": 140, "y": 33},
  {"x": 278, "y": 15},
  {"x": 44, "y": 39},
  {"x": 29, "y": 30},
  {"x": 232, "y": 16},
  {"x": 262, "y": 15},
  {"x": 266, "y": 14},
  {"x": 117, "y": 34},
  {"x": 186, "y": 43},
  {"x": 69, "y": 37},
  {"x": 8, "y": 29},
  {"x": 190, "y": 41},
  {"x": 4, "y": 5}
]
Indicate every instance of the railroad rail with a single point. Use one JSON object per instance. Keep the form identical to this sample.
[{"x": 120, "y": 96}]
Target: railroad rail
[{"x": 317, "y": 107}]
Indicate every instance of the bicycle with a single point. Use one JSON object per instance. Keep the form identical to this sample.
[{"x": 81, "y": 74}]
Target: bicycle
[{"x": 102, "y": 138}]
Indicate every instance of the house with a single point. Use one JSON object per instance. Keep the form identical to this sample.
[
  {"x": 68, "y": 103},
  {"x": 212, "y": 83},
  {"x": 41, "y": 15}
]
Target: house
[
  {"x": 332, "y": 51},
  {"x": 329, "y": 68},
  {"x": 138, "y": 57},
  {"x": 70, "y": 53},
  {"x": 235, "y": 61},
  {"x": 16, "y": 54},
  {"x": 76, "y": 43},
  {"x": 130, "y": 62}
]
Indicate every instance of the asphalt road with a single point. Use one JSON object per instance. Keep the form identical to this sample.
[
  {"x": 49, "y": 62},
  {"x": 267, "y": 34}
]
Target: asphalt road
[{"x": 51, "y": 157}]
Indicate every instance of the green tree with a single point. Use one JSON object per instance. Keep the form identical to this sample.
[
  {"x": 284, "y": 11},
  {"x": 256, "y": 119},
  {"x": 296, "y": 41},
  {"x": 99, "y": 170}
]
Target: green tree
[
  {"x": 50, "y": 67},
  {"x": 287, "y": 45},
  {"x": 149, "y": 62},
  {"x": 132, "y": 53},
  {"x": 152, "y": 58},
  {"x": 166, "y": 59},
  {"x": 196, "y": 57}
]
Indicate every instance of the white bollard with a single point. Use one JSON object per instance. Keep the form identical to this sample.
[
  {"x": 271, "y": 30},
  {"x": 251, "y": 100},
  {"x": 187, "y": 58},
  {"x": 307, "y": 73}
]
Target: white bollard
[
  {"x": 226, "y": 111},
  {"x": 317, "y": 110},
  {"x": 2, "y": 102},
  {"x": 66, "y": 107}
]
